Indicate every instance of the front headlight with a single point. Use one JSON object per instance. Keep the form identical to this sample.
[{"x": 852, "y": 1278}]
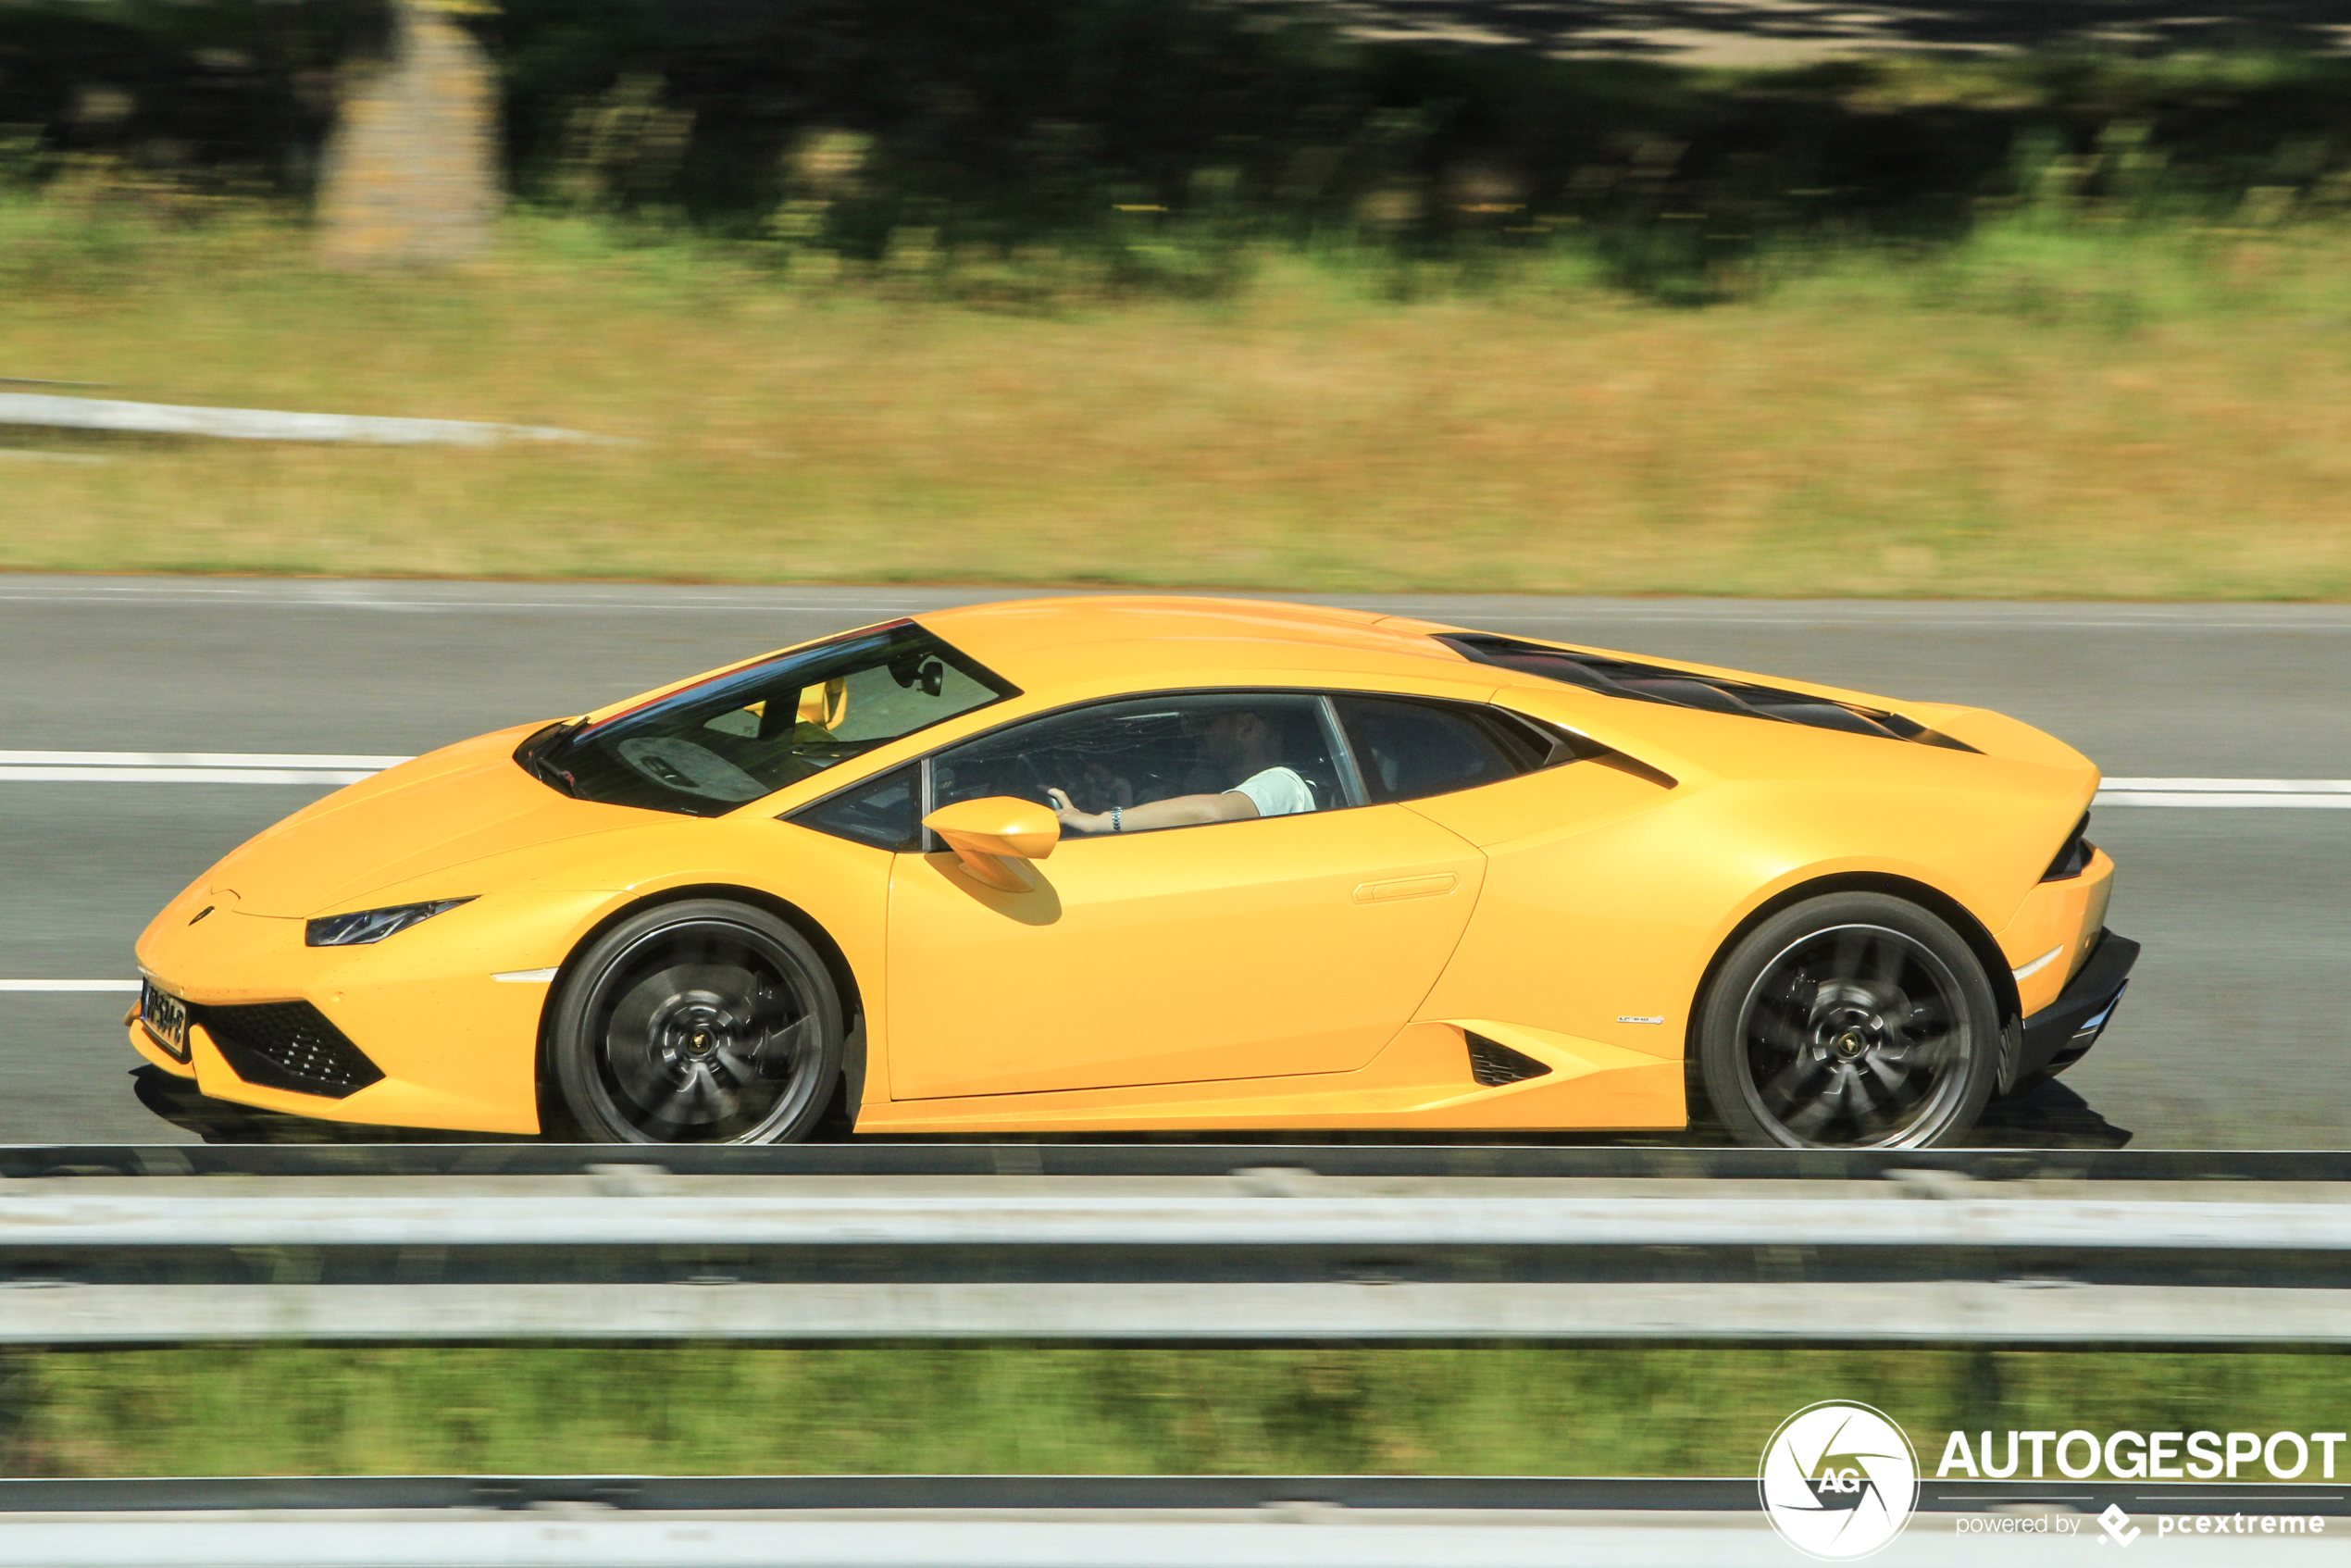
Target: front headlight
[{"x": 371, "y": 925}]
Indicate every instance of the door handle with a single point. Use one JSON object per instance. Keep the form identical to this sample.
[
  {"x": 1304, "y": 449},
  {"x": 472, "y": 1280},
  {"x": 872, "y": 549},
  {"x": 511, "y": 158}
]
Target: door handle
[{"x": 1406, "y": 888}]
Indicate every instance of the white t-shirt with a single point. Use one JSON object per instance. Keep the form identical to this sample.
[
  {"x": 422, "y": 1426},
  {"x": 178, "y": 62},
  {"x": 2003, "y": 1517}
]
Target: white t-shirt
[{"x": 1277, "y": 791}]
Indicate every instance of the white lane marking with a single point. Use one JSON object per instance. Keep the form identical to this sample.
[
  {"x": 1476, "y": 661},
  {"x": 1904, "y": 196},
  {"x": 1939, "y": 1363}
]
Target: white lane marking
[
  {"x": 2226, "y": 793},
  {"x": 2037, "y": 964},
  {"x": 316, "y": 771},
  {"x": 355, "y": 595},
  {"x": 316, "y": 779},
  {"x": 893, "y": 607},
  {"x": 196, "y": 759},
  {"x": 2233, "y": 786},
  {"x": 328, "y": 770},
  {"x": 526, "y": 976},
  {"x": 2221, "y": 800},
  {"x": 68, "y": 985},
  {"x": 234, "y": 599}
]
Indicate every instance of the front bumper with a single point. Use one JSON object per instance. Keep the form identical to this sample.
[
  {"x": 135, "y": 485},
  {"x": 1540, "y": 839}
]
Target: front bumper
[
  {"x": 415, "y": 1031},
  {"x": 2061, "y": 1034}
]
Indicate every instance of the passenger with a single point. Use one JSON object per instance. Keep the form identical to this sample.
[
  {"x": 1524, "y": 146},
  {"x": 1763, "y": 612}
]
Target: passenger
[{"x": 1238, "y": 744}]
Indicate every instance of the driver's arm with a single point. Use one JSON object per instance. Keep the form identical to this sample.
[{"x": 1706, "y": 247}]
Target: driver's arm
[{"x": 1179, "y": 810}]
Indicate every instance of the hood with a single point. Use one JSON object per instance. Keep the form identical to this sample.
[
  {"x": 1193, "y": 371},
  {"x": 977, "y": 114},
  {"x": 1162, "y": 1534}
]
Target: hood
[{"x": 433, "y": 814}]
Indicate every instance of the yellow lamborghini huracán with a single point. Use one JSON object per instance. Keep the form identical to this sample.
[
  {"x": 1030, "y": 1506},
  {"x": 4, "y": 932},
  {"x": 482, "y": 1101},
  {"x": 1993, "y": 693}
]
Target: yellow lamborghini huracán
[{"x": 1087, "y": 864}]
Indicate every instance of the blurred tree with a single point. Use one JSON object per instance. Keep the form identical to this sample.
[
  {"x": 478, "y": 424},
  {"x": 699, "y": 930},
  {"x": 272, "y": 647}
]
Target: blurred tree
[
  {"x": 234, "y": 91},
  {"x": 412, "y": 169}
]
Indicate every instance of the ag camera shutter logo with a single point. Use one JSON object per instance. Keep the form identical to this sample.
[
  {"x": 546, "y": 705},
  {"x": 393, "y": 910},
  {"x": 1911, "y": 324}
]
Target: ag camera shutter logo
[{"x": 1838, "y": 1481}]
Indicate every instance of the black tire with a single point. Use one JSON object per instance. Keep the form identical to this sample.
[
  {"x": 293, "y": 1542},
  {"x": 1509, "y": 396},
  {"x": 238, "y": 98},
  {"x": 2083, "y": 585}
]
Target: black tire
[
  {"x": 697, "y": 1022},
  {"x": 1850, "y": 1021}
]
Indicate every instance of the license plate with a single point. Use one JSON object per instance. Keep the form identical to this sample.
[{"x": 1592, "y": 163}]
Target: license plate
[{"x": 165, "y": 1018}]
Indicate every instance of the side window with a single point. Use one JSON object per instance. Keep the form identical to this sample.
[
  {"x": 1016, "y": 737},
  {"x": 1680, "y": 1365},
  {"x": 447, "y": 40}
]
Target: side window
[
  {"x": 1407, "y": 749},
  {"x": 1132, "y": 752},
  {"x": 885, "y": 811}
]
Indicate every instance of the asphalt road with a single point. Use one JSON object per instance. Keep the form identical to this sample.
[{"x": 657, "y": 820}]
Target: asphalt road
[{"x": 2231, "y": 1037}]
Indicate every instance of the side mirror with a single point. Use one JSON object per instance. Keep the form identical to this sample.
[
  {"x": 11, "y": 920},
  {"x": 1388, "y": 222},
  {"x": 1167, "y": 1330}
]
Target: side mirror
[{"x": 986, "y": 833}]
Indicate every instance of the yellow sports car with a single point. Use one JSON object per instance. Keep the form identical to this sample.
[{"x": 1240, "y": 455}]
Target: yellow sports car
[{"x": 1085, "y": 864}]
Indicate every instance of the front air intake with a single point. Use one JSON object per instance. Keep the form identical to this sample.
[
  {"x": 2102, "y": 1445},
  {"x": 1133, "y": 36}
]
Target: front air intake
[
  {"x": 1492, "y": 1063},
  {"x": 288, "y": 1045}
]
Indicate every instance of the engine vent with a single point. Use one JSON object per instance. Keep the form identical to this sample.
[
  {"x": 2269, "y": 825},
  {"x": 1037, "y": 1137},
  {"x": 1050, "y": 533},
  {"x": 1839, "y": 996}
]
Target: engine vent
[
  {"x": 1655, "y": 683},
  {"x": 288, "y": 1045},
  {"x": 1492, "y": 1063}
]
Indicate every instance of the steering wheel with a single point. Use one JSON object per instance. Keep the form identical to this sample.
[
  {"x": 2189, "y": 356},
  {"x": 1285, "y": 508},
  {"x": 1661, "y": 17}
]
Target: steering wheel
[{"x": 1037, "y": 778}]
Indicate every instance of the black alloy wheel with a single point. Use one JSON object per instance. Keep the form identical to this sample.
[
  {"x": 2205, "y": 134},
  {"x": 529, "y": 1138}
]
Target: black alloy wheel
[
  {"x": 697, "y": 1022},
  {"x": 1852, "y": 1021}
]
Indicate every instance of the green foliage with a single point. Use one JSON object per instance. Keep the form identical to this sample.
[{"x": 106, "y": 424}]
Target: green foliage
[
  {"x": 965, "y": 1408},
  {"x": 1157, "y": 141}
]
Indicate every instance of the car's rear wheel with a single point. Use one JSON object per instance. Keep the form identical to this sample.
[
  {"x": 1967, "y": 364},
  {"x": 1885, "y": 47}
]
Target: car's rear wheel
[
  {"x": 1850, "y": 1021},
  {"x": 697, "y": 1022}
]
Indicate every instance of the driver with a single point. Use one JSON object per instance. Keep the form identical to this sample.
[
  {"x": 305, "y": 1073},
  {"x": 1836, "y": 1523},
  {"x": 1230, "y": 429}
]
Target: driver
[{"x": 1238, "y": 744}]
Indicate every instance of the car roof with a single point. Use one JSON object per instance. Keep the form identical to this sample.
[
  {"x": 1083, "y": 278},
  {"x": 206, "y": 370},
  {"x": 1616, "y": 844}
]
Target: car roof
[{"x": 1151, "y": 633}]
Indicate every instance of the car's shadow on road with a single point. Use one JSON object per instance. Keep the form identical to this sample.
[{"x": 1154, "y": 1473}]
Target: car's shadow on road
[
  {"x": 216, "y": 1121},
  {"x": 2047, "y": 1116}
]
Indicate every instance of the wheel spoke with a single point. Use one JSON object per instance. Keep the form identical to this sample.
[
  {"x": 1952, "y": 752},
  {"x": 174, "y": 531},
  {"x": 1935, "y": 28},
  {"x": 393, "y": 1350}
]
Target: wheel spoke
[
  {"x": 698, "y": 1097},
  {"x": 1890, "y": 1071},
  {"x": 1845, "y": 953},
  {"x": 1824, "y": 1105},
  {"x": 1882, "y": 967},
  {"x": 1868, "y": 1111},
  {"x": 1781, "y": 1090},
  {"x": 1780, "y": 1032},
  {"x": 1928, "y": 1018}
]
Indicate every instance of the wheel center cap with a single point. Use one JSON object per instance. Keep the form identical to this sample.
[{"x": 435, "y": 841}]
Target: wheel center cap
[{"x": 1849, "y": 1044}]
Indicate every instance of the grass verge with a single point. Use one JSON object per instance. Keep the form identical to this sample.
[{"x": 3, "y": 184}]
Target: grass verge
[
  {"x": 946, "y": 1408},
  {"x": 2050, "y": 409}
]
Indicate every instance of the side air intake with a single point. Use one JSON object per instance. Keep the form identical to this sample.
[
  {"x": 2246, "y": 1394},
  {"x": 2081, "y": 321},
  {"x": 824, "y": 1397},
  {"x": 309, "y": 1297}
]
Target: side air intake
[
  {"x": 1492, "y": 1063},
  {"x": 1680, "y": 689}
]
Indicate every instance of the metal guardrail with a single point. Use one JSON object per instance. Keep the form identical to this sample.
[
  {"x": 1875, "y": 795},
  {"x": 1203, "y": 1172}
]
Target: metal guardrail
[
  {"x": 1102, "y": 1521},
  {"x": 735, "y": 1494},
  {"x": 543, "y": 1242}
]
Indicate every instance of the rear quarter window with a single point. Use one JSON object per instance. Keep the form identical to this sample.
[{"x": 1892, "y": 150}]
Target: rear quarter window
[{"x": 1408, "y": 750}]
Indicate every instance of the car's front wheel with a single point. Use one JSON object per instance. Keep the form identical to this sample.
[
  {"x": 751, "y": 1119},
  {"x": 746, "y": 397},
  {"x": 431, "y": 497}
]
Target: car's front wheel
[
  {"x": 698, "y": 1022},
  {"x": 1849, "y": 1021}
]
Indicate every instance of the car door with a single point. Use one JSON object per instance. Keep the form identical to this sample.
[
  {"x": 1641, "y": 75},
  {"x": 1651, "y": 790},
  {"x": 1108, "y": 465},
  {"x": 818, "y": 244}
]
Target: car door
[{"x": 1247, "y": 949}]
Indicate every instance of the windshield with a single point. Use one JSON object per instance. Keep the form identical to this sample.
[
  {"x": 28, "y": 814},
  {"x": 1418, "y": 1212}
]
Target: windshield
[{"x": 716, "y": 744}]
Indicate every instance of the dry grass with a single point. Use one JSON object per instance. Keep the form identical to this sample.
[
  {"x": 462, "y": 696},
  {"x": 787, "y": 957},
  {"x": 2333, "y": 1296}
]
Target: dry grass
[{"x": 2033, "y": 422}]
